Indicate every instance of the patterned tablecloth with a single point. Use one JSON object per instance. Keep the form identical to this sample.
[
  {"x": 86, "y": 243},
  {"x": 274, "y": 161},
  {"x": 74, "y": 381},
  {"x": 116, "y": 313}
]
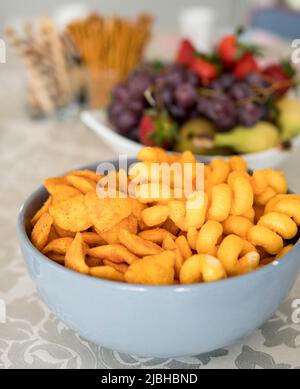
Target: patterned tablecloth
[{"x": 32, "y": 336}]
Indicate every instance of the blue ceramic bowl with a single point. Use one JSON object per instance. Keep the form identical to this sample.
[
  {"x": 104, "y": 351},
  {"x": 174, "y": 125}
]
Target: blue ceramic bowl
[{"x": 169, "y": 321}]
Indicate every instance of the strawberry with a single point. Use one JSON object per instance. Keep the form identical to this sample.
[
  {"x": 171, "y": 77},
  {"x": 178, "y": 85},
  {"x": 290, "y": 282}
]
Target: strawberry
[
  {"x": 185, "y": 53},
  {"x": 280, "y": 76},
  {"x": 247, "y": 64},
  {"x": 206, "y": 70},
  {"x": 231, "y": 49},
  {"x": 228, "y": 50},
  {"x": 157, "y": 129}
]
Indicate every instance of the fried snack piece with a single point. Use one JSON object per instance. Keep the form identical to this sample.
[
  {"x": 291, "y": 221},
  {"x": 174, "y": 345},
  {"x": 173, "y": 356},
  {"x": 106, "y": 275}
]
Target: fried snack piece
[
  {"x": 71, "y": 214},
  {"x": 93, "y": 239},
  {"x": 270, "y": 206},
  {"x": 246, "y": 264},
  {"x": 184, "y": 247},
  {"x": 243, "y": 197},
  {"x": 177, "y": 210},
  {"x": 87, "y": 174},
  {"x": 121, "y": 267},
  {"x": 41, "y": 231},
  {"x": 156, "y": 235},
  {"x": 238, "y": 225},
  {"x": 170, "y": 245},
  {"x": 196, "y": 209},
  {"x": 58, "y": 246},
  {"x": 105, "y": 213},
  {"x": 114, "y": 252},
  {"x": 137, "y": 245},
  {"x": 112, "y": 236},
  {"x": 170, "y": 226},
  {"x": 262, "y": 236},
  {"x": 63, "y": 192},
  {"x": 93, "y": 261},
  {"x": 41, "y": 211},
  {"x": 75, "y": 255},
  {"x": 51, "y": 182},
  {"x": 154, "y": 216},
  {"x": 263, "y": 198},
  {"x": 107, "y": 272},
  {"x": 83, "y": 184},
  {"x": 289, "y": 206},
  {"x": 192, "y": 235},
  {"x": 220, "y": 170},
  {"x": 209, "y": 236},
  {"x": 229, "y": 251},
  {"x": 58, "y": 258},
  {"x": 153, "y": 270},
  {"x": 212, "y": 269},
  {"x": 221, "y": 198},
  {"x": 279, "y": 223},
  {"x": 53, "y": 234},
  {"x": 191, "y": 271},
  {"x": 63, "y": 233},
  {"x": 238, "y": 164}
]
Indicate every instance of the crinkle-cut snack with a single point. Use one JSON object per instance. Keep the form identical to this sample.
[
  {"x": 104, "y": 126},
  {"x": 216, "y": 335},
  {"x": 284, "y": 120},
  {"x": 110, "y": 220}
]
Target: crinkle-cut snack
[
  {"x": 41, "y": 211},
  {"x": 41, "y": 231},
  {"x": 130, "y": 224},
  {"x": 105, "y": 213},
  {"x": 138, "y": 245},
  {"x": 153, "y": 270},
  {"x": 71, "y": 214},
  {"x": 239, "y": 223},
  {"x": 58, "y": 246},
  {"x": 83, "y": 184},
  {"x": 114, "y": 253},
  {"x": 75, "y": 255},
  {"x": 63, "y": 192}
]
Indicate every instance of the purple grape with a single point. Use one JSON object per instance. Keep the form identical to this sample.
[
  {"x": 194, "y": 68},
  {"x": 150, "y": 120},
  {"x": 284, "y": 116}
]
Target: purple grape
[
  {"x": 255, "y": 80},
  {"x": 127, "y": 121},
  {"x": 192, "y": 78},
  {"x": 227, "y": 80},
  {"x": 137, "y": 106},
  {"x": 159, "y": 80},
  {"x": 138, "y": 84},
  {"x": 250, "y": 114},
  {"x": 115, "y": 108},
  {"x": 174, "y": 75},
  {"x": 186, "y": 95},
  {"x": 178, "y": 113},
  {"x": 203, "y": 105},
  {"x": 240, "y": 90},
  {"x": 166, "y": 95},
  {"x": 222, "y": 111},
  {"x": 121, "y": 92}
]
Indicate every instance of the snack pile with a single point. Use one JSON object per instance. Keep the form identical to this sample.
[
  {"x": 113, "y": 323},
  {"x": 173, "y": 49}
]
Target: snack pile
[{"x": 240, "y": 222}]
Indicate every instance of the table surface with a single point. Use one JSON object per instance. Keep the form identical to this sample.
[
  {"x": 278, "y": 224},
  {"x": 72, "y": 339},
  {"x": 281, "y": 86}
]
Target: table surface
[{"x": 32, "y": 336}]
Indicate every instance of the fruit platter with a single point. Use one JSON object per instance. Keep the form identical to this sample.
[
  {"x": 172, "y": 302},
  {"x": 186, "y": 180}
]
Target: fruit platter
[{"x": 226, "y": 102}]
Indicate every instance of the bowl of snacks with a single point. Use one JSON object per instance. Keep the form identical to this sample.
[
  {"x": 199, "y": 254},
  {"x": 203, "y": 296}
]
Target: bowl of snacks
[
  {"x": 220, "y": 104},
  {"x": 159, "y": 274}
]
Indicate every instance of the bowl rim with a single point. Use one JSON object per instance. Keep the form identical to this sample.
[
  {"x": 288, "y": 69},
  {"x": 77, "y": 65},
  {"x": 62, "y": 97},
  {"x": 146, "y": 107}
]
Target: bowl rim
[
  {"x": 24, "y": 239},
  {"x": 88, "y": 115}
]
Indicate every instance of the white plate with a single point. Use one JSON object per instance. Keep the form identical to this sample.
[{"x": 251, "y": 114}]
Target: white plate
[{"x": 97, "y": 121}]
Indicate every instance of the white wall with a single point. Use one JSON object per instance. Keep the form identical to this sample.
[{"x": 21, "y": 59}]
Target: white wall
[{"x": 230, "y": 12}]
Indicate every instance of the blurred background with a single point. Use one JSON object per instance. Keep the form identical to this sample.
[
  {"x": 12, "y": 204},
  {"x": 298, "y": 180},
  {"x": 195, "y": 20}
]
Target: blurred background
[
  {"x": 63, "y": 56},
  {"x": 230, "y": 12}
]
